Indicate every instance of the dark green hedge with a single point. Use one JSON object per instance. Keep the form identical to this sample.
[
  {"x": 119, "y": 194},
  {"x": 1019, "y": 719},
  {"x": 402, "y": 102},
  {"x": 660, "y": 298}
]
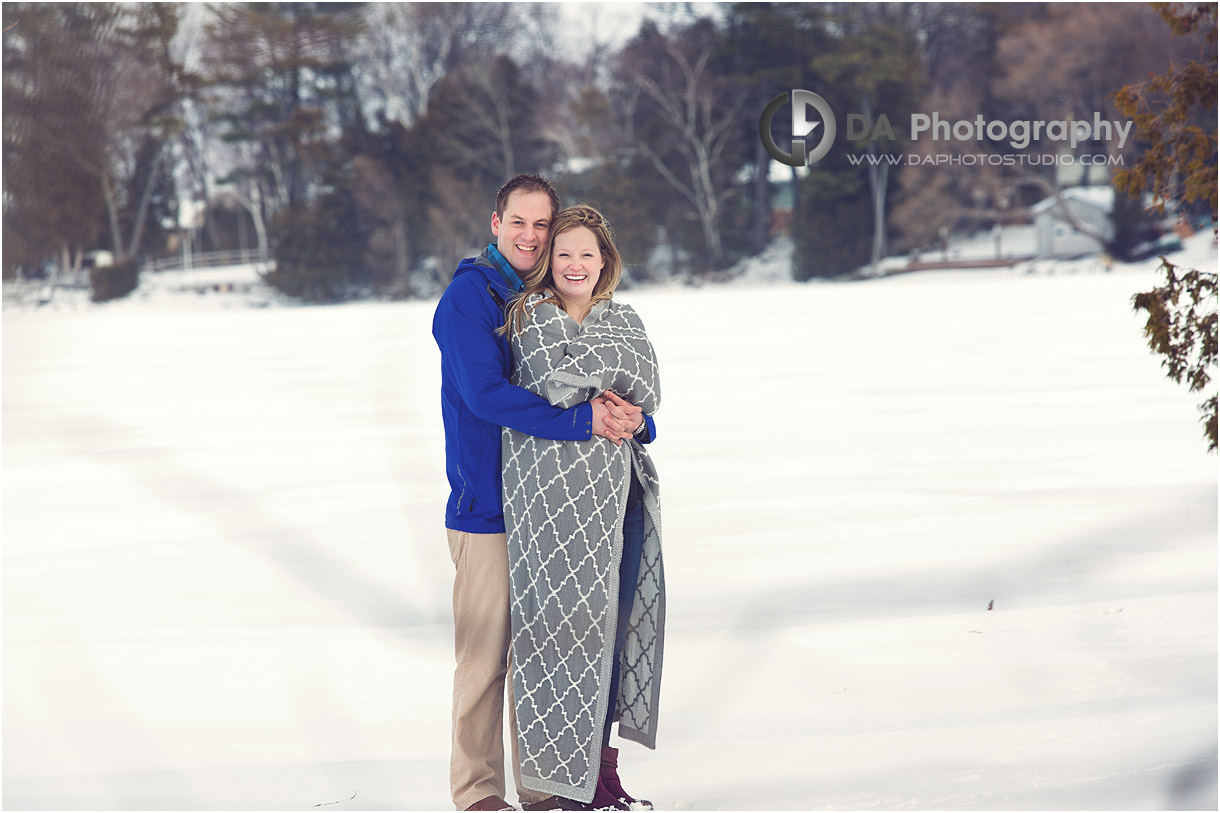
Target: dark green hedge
[{"x": 113, "y": 281}]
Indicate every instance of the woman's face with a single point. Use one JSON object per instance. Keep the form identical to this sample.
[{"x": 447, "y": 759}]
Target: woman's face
[{"x": 576, "y": 265}]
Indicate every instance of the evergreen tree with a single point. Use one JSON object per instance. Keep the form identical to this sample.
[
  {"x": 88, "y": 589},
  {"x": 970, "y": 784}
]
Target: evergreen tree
[
  {"x": 479, "y": 130},
  {"x": 318, "y": 248},
  {"x": 280, "y": 86},
  {"x": 392, "y": 189},
  {"x": 875, "y": 68},
  {"x": 832, "y": 224},
  {"x": 868, "y": 65},
  {"x": 767, "y": 49},
  {"x": 623, "y": 188}
]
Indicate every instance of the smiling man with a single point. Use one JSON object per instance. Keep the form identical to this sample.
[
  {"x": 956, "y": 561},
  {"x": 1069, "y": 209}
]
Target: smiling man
[{"x": 476, "y": 400}]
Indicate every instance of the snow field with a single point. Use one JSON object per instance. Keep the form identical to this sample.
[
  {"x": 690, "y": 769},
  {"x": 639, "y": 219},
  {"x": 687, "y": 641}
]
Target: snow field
[{"x": 226, "y": 584}]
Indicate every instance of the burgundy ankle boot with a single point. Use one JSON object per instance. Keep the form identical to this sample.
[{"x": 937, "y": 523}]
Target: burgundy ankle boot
[
  {"x": 605, "y": 798},
  {"x": 610, "y": 781},
  {"x": 602, "y": 799}
]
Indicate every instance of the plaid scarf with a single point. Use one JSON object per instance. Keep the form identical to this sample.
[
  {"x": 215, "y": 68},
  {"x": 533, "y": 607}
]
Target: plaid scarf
[{"x": 504, "y": 267}]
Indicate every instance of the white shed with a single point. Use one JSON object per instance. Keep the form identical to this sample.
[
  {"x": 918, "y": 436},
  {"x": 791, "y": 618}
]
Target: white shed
[{"x": 1057, "y": 237}]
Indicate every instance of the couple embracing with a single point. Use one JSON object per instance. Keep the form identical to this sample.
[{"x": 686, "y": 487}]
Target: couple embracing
[{"x": 548, "y": 385}]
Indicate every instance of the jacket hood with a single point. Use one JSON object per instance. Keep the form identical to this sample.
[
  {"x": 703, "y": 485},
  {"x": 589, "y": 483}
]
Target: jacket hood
[{"x": 479, "y": 263}]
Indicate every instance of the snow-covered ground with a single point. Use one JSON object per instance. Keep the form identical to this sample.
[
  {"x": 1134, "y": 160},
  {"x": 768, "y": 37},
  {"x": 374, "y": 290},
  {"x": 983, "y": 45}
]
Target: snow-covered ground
[{"x": 940, "y": 541}]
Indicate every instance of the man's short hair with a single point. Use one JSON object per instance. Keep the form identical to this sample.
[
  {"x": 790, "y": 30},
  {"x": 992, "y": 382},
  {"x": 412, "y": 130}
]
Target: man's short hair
[{"x": 527, "y": 182}]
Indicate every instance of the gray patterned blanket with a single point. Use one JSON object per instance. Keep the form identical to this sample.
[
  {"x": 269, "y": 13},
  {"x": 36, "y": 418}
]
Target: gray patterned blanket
[{"x": 564, "y": 503}]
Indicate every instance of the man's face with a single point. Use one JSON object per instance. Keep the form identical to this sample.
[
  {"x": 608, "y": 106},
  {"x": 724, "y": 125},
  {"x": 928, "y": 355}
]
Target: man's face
[{"x": 521, "y": 233}]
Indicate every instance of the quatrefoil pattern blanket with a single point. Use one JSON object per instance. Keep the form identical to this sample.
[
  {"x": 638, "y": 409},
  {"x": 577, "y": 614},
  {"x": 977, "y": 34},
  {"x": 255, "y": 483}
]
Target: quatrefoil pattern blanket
[{"x": 564, "y": 503}]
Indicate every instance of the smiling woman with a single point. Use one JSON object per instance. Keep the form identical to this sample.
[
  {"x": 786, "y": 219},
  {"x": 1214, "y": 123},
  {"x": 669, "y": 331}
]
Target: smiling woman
[
  {"x": 580, "y": 268},
  {"x": 576, "y": 265},
  {"x": 583, "y": 523}
]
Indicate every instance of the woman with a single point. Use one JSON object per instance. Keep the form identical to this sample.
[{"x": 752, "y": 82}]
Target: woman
[{"x": 586, "y": 580}]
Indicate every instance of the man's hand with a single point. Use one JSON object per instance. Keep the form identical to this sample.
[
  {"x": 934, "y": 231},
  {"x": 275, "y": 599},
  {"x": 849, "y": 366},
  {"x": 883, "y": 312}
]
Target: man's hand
[
  {"x": 624, "y": 410},
  {"x": 615, "y": 419}
]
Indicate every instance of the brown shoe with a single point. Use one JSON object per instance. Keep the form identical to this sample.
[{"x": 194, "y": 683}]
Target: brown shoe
[
  {"x": 549, "y": 803},
  {"x": 491, "y": 803}
]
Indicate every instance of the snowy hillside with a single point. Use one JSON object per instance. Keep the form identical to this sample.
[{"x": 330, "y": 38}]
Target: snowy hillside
[{"x": 940, "y": 541}]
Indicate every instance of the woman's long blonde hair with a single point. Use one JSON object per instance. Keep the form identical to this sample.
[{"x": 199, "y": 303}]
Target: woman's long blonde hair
[{"x": 538, "y": 279}]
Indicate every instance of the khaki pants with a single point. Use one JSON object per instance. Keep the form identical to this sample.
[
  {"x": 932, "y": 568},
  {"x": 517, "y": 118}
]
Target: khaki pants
[{"x": 481, "y": 640}]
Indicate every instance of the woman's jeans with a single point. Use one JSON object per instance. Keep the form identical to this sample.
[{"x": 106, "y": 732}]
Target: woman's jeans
[{"x": 628, "y": 574}]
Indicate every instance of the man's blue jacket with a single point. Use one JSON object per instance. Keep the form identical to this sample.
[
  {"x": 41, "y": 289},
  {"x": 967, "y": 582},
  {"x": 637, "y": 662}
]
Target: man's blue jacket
[{"x": 476, "y": 398}]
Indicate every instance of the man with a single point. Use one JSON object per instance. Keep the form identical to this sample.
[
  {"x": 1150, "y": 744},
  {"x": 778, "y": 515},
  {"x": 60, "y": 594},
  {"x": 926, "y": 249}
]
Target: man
[{"x": 476, "y": 400}]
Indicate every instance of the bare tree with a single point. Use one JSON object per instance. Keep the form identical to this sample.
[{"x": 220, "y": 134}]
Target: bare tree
[
  {"x": 142, "y": 108},
  {"x": 698, "y": 115},
  {"x": 94, "y": 88},
  {"x": 412, "y": 46},
  {"x": 481, "y": 119}
]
